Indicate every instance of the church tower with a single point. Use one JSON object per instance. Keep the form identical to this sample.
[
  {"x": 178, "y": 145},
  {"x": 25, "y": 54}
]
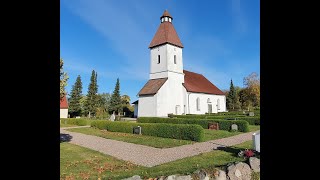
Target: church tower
[
  {"x": 164, "y": 92},
  {"x": 165, "y": 50},
  {"x": 170, "y": 89}
]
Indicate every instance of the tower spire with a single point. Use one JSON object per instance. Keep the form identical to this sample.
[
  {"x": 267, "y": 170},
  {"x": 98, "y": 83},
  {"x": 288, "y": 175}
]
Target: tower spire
[
  {"x": 166, "y": 17},
  {"x": 166, "y": 32}
]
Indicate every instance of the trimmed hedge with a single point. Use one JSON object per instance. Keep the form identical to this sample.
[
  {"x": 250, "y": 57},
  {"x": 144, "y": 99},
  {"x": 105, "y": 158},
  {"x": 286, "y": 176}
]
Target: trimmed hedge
[
  {"x": 250, "y": 120},
  {"x": 243, "y": 126},
  {"x": 74, "y": 121},
  {"x": 207, "y": 116},
  {"x": 175, "y": 131},
  {"x": 257, "y": 121},
  {"x": 254, "y": 120}
]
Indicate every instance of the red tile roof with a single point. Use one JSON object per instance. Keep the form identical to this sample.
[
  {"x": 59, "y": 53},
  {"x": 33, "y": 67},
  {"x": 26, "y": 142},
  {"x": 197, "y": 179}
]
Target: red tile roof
[
  {"x": 152, "y": 86},
  {"x": 194, "y": 82},
  {"x": 166, "y": 34},
  {"x": 64, "y": 103},
  {"x": 166, "y": 14}
]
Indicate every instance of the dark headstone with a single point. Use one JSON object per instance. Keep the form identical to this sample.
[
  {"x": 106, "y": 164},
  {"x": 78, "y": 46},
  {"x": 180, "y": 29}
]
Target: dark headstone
[
  {"x": 137, "y": 130},
  {"x": 213, "y": 126}
]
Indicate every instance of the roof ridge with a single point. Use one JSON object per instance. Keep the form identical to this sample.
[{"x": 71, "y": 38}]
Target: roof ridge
[{"x": 193, "y": 72}]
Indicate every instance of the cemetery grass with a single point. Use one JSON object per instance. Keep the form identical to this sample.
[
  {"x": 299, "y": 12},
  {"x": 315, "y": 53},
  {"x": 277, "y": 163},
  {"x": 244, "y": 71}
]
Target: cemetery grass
[
  {"x": 254, "y": 128},
  {"x": 88, "y": 122},
  {"x": 153, "y": 141},
  {"x": 67, "y": 125},
  {"x": 80, "y": 163}
]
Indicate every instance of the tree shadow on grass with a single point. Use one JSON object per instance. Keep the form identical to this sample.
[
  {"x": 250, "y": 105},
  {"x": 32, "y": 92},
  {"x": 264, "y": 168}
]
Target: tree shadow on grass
[
  {"x": 231, "y": 149},
  {"x": 235, "y": 150},
  {"x": 65, "y": 137}
]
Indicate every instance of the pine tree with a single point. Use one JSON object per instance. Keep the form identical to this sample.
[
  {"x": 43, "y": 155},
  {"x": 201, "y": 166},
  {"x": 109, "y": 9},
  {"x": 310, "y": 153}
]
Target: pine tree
[
  {"x": 231, "y": 98},
  {"x": 115, "y": 101},
  {"x": 75, "y": 96},
  {"x": 90, "y": 103}
]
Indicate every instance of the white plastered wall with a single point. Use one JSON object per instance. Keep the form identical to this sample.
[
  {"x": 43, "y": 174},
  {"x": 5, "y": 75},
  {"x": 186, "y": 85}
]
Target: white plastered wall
[
  {"x": 63, "y": 113},
  {"x": 192, "y": 104}
]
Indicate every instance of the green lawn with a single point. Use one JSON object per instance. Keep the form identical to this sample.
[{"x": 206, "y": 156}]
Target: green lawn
[
  {"x": 86, "y": 119},
  {"x": 153, "y": 141},
  {"x": 254, "y": 128},
  {"x": 71, "y": 125},
  {"x": 67, "y": 125},
  {"x": 217, "y": 134},
  {"x": 80, "y": 163}
]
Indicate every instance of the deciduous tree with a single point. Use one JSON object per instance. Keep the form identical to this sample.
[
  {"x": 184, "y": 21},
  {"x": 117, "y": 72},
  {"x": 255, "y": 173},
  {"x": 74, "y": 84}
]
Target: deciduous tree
[
  {"x": 63, "y": 80},
  {"x": 252, "y": 84}
]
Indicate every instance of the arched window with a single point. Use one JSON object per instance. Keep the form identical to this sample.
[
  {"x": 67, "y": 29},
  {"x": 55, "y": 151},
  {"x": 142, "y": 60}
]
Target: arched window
[
  {"x": 208, "y": 101},
  {"x": 158, "y": 59},
  {"x": 218, "y": 104},
  {"x": 175, "y": 59},
  {"x": 198, "y": 104}
]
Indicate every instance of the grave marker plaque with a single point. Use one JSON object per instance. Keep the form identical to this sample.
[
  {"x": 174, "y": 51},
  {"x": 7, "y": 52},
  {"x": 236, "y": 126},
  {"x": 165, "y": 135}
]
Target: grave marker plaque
[
  {"x": 234, "y": 127},
  {"x": 213, "y": 126},
  {"x": 137, "y": 130}
]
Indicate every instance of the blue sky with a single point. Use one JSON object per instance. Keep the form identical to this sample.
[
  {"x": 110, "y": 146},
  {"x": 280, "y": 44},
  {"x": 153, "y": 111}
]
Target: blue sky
[{"x": 221, "y": 40}]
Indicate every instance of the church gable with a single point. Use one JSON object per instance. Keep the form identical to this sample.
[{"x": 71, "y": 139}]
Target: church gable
[
  {"x": 194, "y": 82},
  {"x": 64, "y": 103},
  {"x": 152, "y": 86}
]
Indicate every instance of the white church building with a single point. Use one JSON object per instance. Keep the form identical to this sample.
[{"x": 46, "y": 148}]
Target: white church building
[{"x": 170, "y": 88}]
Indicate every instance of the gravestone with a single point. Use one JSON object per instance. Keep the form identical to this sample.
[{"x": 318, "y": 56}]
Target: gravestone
[
  {"x": 256, "y": 141},
  {"x": 251, "y": 113},
  {"x": 213, "y": 126},
  {"x": 234, "y": 127},
  {"x": 137, "y": 130},
  {"x": 112, "y": 117}
]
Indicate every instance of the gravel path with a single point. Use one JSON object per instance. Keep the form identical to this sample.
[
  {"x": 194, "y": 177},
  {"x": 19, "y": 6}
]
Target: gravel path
[{"x": 146, "y": 155}]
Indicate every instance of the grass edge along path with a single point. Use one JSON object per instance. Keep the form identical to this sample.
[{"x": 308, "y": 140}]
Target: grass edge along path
[
  {"x": 79, "y": 162},
  {"x": 153, "y": 141}
]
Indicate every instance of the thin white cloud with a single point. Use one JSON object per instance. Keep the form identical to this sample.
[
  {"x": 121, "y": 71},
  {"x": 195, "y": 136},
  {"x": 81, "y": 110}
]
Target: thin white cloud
[
  {"x": 118, "y": 25},
  {"x": 85, "y": 69},
  {"x": 238, "y": 16}
]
